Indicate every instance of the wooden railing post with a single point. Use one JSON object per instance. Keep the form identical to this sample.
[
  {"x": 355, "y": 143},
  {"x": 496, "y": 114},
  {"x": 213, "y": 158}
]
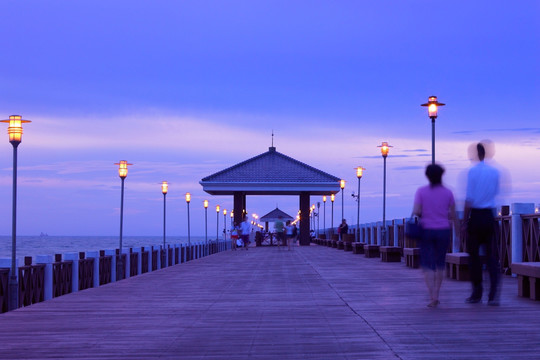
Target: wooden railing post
[
  {"x": 74, "y": 257},
  {"x": 47, "y": 260},
  {"x": 112, "y": 254},
  {"x": 517, "y": 229}
]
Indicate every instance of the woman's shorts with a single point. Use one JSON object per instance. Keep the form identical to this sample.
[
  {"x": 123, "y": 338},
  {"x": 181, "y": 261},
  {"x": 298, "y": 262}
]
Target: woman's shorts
[{"x": 433, "y": 248}]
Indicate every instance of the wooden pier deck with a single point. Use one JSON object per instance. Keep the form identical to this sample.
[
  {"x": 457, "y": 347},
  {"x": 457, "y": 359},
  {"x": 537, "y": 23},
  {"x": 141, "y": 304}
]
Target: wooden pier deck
[{"x": 310, "y": 303}]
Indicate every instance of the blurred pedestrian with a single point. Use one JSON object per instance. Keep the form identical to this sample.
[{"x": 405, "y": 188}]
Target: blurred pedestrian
[
  {"x": 483, "y": 182},
  {"x": 435, "y": 205},
  {"x": 234, "y": 235},
  {"x": 245, "y": 230}
]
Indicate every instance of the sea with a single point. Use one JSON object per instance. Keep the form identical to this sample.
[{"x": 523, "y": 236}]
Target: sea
[{"x": 50, "y": 245}]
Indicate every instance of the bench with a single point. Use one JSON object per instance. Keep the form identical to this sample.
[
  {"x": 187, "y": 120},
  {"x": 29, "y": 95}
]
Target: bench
[
  {"x": 334, "y": 244},
  {"x": 358, "y": 247},
  {"x": 341, "y": 245},
  {"x": 371, "y": 251},
  {"x": 412, "y": 257},
  {"x": 347, "y": 246},
  {"x": 457, "y": 266},
  {"x": 528, "y": 279},
  {"x": 390, "y": 253}
]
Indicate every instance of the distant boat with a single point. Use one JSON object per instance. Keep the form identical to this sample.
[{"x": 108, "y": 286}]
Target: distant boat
[{"x": 43, "y": 235}]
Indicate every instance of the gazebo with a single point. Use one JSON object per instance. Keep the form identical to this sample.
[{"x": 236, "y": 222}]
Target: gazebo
[
  {"x": 272, "y": 173},
  {"x": 274, "y": 216}
]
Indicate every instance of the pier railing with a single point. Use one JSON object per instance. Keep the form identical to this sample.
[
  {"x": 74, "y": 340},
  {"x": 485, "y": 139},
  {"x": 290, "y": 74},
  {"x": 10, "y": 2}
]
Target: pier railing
[
  {"x": 31, "y": 283},
  {"x": 531, "y": 237},
  {"x": 64, "y": 274}
]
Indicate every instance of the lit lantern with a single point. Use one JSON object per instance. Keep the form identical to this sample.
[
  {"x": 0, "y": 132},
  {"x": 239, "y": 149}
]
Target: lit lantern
[
  {"x": 342, "y": 184},
  {"x": 164, "y": 187},
  {"x": 332, "y": 197},
  {"x": 123, "y": 168},
  {"x": 359, "y": 172},
  {"x": 217, "y": 208},
  {"x": 205, "y": 203},
  {"x": 15, "y": 129},
  {"x": 432, "y": 106},
  {"x": 385, "y": 148},
  {"x": 188, "y": 198}
]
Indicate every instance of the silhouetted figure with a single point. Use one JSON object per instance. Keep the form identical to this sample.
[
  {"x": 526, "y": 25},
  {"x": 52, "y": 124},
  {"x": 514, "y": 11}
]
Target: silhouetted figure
[
  {"x": 343, "y": 229},
  {"x": 436, "y": 207}
]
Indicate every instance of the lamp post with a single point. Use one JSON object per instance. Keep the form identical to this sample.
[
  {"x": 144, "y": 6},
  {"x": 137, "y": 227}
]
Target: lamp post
[
  {"x": 385, "y": 148},
  {"x": 164, "y": 190},
  {"x": 324, "y": 213},
  {"x": 318, "y": 216},
  {"x": 225, "y": 224},
  {"x": 432, "y": 106},
  {"x": 15, "y": 137},
  {"x": 359, "y": 173},
  {"x": 217, "y": 224},
  {"x": 342, "y": 186},
  {"x": 188, "y": 200},
  {"x": 332, "y": 198},
  {"x": 205, "y": 203},
  {"x": 122, "y": 172}
]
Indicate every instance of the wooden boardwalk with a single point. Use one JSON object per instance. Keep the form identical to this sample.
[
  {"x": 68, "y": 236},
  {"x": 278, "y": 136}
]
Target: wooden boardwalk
[{"x": 310, "y": 303}]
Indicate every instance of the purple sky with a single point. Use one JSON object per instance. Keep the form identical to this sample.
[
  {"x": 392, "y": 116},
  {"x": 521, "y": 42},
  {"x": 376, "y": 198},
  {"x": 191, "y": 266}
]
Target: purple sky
[{"x": 185, "y": 89}]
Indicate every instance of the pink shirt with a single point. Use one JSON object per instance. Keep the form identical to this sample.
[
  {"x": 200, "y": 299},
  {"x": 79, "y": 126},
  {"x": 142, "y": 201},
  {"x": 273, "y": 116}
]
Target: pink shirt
[{"x": 435, "y": 202}]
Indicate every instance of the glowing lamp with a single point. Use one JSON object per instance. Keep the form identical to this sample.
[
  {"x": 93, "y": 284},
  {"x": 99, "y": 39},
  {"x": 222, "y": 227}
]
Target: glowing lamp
[
  {"x": 217, "y": 208},
  {"x": 332, "y": 197},
  {"x": 188, "y": 197},
  {"x": 205, "y": 203},
  {"x": 232, "y": 214},
  {"x": 432, "y": 106},
  {"x": 164, "y": 187},
  {"x": 15, "y": 130},
  {"x": 342, "y": 184},
  {"x": 359, "y": 172},
  {"x": 225, "y": 212},
  {"x": 123, "y": 168},
  {"x": 324, "y": 198},
  {"x": 385, "y": 148}
]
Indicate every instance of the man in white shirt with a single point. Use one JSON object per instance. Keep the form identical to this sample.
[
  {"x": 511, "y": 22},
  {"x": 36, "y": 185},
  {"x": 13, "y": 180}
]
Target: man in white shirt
[
  {"x": 245, "y": 229},
  {"x": 483, "y": 182}
]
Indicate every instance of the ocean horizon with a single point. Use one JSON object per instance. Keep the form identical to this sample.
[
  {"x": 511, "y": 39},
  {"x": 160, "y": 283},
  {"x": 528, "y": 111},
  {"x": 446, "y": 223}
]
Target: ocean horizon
[{"x": 50, "y": 245}]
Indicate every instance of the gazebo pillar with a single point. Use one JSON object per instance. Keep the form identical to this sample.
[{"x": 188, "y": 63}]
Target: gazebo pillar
[
  {"x": 304, "y": 218},
  {"x": 239, "y": 202}
]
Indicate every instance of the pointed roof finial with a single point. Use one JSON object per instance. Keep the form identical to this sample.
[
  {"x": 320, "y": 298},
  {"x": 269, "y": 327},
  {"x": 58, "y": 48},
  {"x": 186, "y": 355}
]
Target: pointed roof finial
[{"x": 272, "y": 148}]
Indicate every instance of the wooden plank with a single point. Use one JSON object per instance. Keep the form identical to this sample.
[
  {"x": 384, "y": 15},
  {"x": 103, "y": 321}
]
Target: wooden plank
[{"x": 312, "y": 302}]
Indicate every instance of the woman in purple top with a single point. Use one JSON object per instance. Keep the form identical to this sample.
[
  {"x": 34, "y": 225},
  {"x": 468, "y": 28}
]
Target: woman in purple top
[{"x": 435, "y": 205}]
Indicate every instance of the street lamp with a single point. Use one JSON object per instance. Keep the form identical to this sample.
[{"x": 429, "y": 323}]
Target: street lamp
[
  {"x": 385, "y": 148},
  {"x": 122, "y": 172},
  {"x": 188, "y": 200},
  {"x": 15, "y": 137},
  {"x": 217, "y": 224},
  {"x": 318, "y": 216},
  {"x": 342, "y": 186},
  {"x": 164, "y": 190},
  {"x": 359, "y": 173},
  {"x": 225, "y": 224},
  {"x": 432, "y": 106},
  {"x": 324, "y": 213},
  {"x": 205, "y": 203},
  {"x": 332, "y": 198}
]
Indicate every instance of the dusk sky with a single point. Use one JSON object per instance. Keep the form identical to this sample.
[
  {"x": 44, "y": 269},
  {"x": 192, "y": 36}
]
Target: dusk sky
[{"x": 183, "y": 89}]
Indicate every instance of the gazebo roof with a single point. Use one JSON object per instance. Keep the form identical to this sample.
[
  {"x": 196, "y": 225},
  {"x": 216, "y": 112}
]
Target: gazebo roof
[
  {"x": 276, "y": 215},
  {"x": 271, "y": 173}
]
